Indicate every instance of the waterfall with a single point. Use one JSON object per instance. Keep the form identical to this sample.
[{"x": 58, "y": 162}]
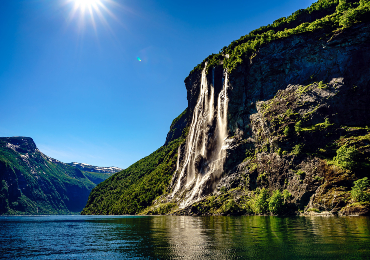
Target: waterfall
[{"x": 205, "y": 149}]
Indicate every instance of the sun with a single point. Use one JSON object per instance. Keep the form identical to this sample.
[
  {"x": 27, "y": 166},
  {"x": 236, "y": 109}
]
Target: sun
[
  {"x": 87, "y": 3},
  {"x": 90, "y": 11},
  {"x": 83, "y": 5}
]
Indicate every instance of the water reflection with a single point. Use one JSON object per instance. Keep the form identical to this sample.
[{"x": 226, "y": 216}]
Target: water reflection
[
  {"x": 163, "y": 237},
  {"x": 262, "y": 237}
]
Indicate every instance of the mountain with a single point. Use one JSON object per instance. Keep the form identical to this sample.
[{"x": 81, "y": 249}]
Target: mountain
[
  {"x": 96, "y": 174},
  {"x": 89, "y": 168},
  {"x": 277, "y": 123},
  {"x": 33, "y": 183}
]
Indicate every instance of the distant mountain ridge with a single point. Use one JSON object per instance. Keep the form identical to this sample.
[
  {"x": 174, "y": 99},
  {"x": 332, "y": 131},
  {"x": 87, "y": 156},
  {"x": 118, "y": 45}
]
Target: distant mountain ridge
[
  {"x": 34, "y": 183},
  {"x": 91, "y": 168}
]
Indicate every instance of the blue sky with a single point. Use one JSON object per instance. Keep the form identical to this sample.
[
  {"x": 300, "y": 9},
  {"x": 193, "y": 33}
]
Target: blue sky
[{"x": 79, "y": 90}]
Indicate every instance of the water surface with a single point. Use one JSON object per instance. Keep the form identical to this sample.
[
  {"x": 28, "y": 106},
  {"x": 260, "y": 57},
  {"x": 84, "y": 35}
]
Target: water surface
[{"x": 183, "y": 237}]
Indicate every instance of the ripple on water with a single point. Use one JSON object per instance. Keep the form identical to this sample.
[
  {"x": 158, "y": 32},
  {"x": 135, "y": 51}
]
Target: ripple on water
[{"x": 181, "y": 237}]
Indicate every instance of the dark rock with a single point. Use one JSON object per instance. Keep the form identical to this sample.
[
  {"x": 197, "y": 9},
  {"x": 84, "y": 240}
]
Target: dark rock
[{"x": 323, "y": 82}]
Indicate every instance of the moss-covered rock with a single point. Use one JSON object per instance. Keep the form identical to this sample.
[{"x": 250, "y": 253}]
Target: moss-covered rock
[{"x": 356, "y": 209}]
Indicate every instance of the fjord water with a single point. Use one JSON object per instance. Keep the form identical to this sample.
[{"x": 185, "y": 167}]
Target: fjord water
[{"x": 183, "y": 237}]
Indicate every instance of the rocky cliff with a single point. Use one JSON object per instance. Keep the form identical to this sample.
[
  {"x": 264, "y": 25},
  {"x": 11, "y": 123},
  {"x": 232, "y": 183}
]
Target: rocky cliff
[
  {"x": 278, "y": 121},
  {"x": 33, "y": 183}
]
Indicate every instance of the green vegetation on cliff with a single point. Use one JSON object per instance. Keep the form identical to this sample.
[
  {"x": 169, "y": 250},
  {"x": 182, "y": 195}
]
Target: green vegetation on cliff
[
  {"x": 178, "y": 124},
  {"x": 303, "y": 141},
  {"x": 359, "y": 190},
  {"x": 330, "y": 16},
  {"x": 135, "y": 188},
  {"x": 239, "y": 201}
]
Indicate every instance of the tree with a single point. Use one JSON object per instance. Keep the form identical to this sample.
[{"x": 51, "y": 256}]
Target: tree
[
  {"x": 261, "y": 203},
  {"x": 286, "y": 195},
  {"x": 358, "y": 192},
  {"x": 286, "y": 131},
  {"x": 276, "y": 202},
  {"x": 298, "y": 126},
  {"x": 342, "y": 6},
  {"x": 346, "y": 157}
]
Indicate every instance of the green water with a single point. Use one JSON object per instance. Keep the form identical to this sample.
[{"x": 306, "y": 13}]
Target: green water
[{"x": 169, "y": 237}]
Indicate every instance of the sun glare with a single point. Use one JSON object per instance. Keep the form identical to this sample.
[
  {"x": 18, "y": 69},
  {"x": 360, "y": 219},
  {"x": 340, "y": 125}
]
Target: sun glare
[
  {"x": 90, "y": 11},
  {"x": 86, "y": 3}
]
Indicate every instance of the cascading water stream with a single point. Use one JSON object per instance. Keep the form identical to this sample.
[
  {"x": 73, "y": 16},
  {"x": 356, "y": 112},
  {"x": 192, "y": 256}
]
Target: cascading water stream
[{"x": 205, "y": 150}]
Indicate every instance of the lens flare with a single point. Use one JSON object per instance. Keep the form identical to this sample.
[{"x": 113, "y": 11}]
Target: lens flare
[{"x": 138, "y": 59}]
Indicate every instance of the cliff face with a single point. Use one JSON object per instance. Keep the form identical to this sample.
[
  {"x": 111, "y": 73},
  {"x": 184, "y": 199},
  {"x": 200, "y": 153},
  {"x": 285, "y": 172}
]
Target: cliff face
[
  {"x": 303, "y": 59},
  {"x": 33, "y": 183},
  {"x": 289, "y": 110},
  {"x": 177, "y": 126},
  {"x": 277, "y": 122}
]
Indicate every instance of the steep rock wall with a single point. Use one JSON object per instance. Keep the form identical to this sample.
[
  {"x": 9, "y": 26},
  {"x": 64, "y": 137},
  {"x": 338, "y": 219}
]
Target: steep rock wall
[
  {"x": 317, "y": 77},
  {"x": 301, "y": 59}
]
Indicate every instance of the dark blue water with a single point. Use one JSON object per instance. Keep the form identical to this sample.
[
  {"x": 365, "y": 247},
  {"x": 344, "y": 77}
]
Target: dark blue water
[{"x": 167, "y": 237}]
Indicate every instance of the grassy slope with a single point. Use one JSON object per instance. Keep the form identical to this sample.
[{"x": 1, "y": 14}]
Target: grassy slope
[{"x": 134, "y": 189}]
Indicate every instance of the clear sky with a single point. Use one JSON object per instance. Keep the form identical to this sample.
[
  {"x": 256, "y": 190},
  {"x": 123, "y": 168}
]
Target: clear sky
[{"x": 76, "y": 86}]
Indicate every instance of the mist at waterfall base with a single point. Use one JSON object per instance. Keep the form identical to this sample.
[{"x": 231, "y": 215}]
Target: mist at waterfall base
[{"x": 168, "y": 237}]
